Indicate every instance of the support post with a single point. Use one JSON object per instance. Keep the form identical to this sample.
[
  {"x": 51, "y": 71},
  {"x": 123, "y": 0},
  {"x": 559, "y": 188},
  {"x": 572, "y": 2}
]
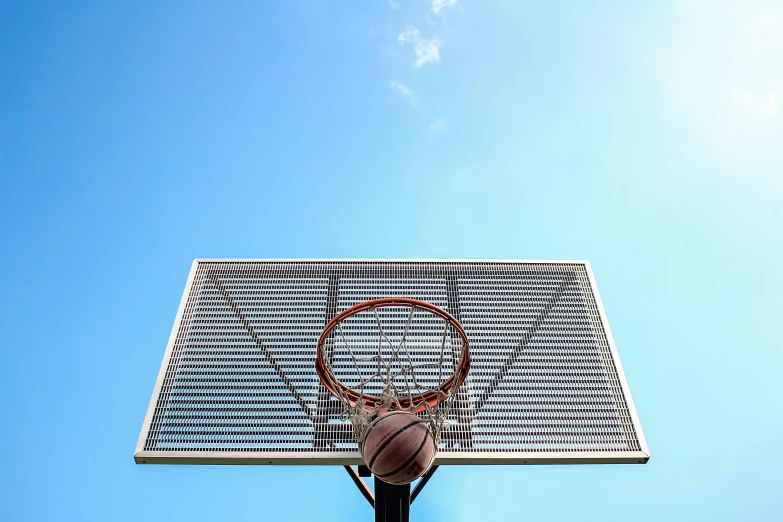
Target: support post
[{"x": 392, "y": 503}]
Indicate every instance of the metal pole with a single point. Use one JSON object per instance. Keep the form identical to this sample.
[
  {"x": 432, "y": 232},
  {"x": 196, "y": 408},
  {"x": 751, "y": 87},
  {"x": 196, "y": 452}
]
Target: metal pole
[{"x": 392, "y": 503}]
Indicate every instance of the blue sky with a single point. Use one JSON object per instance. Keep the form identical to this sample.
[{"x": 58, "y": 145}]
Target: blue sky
[{"x": 646, "y": 137}]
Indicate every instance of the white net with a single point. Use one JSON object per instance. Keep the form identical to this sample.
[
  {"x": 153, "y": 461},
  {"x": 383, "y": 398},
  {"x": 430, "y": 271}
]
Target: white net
[{"x": 394, "y": 357}]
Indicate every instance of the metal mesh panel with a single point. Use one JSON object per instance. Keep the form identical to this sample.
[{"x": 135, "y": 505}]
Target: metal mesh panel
[{"x": 239, "y": 375}]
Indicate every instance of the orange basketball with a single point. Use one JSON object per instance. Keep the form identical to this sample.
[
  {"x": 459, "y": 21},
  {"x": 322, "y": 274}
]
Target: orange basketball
[{"x": 398, "y": 448}]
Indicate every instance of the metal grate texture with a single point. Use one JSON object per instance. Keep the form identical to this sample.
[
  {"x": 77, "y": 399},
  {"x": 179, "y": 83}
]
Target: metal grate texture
[{"x": 238, "y": 383}]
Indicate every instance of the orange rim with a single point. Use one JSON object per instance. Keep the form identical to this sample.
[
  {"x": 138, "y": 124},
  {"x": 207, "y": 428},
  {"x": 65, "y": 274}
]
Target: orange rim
[{"x": 370, "y": 402}]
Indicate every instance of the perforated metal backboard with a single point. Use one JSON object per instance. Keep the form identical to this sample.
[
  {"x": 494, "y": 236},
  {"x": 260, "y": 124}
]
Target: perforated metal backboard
[{"x": 238, "y": 382}]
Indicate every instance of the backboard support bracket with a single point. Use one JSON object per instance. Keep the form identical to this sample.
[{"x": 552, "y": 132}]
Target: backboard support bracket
[
  {"x": 361, "y": 484},
  {"x": 423, "y": 482},
  {"x": 391, "y": 503}
]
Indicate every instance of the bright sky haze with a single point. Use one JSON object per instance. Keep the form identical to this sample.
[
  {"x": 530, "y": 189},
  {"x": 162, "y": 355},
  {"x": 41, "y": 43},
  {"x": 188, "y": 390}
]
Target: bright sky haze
[{"x": 645, "y": 137}]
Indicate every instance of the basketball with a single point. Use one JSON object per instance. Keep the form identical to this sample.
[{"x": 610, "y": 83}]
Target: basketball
[{"x": 398, "y": 448}]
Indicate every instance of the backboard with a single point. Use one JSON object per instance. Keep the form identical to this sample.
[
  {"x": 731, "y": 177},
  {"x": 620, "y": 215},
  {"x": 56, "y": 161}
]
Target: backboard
[{"x": 238, "y": 383}]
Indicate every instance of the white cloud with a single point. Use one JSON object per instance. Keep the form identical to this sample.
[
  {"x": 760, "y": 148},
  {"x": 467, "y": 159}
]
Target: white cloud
[
  {"x": 724, "y": 81},
  {"x": 393, "y": 5},
  {"x": 437, "y": 5},
  {"x": 724, "y": 66},
  {"x": 770, "y": 22},
  {"x": 439, "y": 126},
  {"x": 426, "y": 50},
  {"x": 405, "y": 91},
  {"x": 754, "y": 103}
]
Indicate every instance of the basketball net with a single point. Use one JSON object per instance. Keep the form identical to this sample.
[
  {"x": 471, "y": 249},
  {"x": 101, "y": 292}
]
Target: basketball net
[{"x": 394, "y": 354}]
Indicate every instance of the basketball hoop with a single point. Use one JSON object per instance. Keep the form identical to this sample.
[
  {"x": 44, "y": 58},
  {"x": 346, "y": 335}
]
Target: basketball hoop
[{"x": 393, "y": 354}]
